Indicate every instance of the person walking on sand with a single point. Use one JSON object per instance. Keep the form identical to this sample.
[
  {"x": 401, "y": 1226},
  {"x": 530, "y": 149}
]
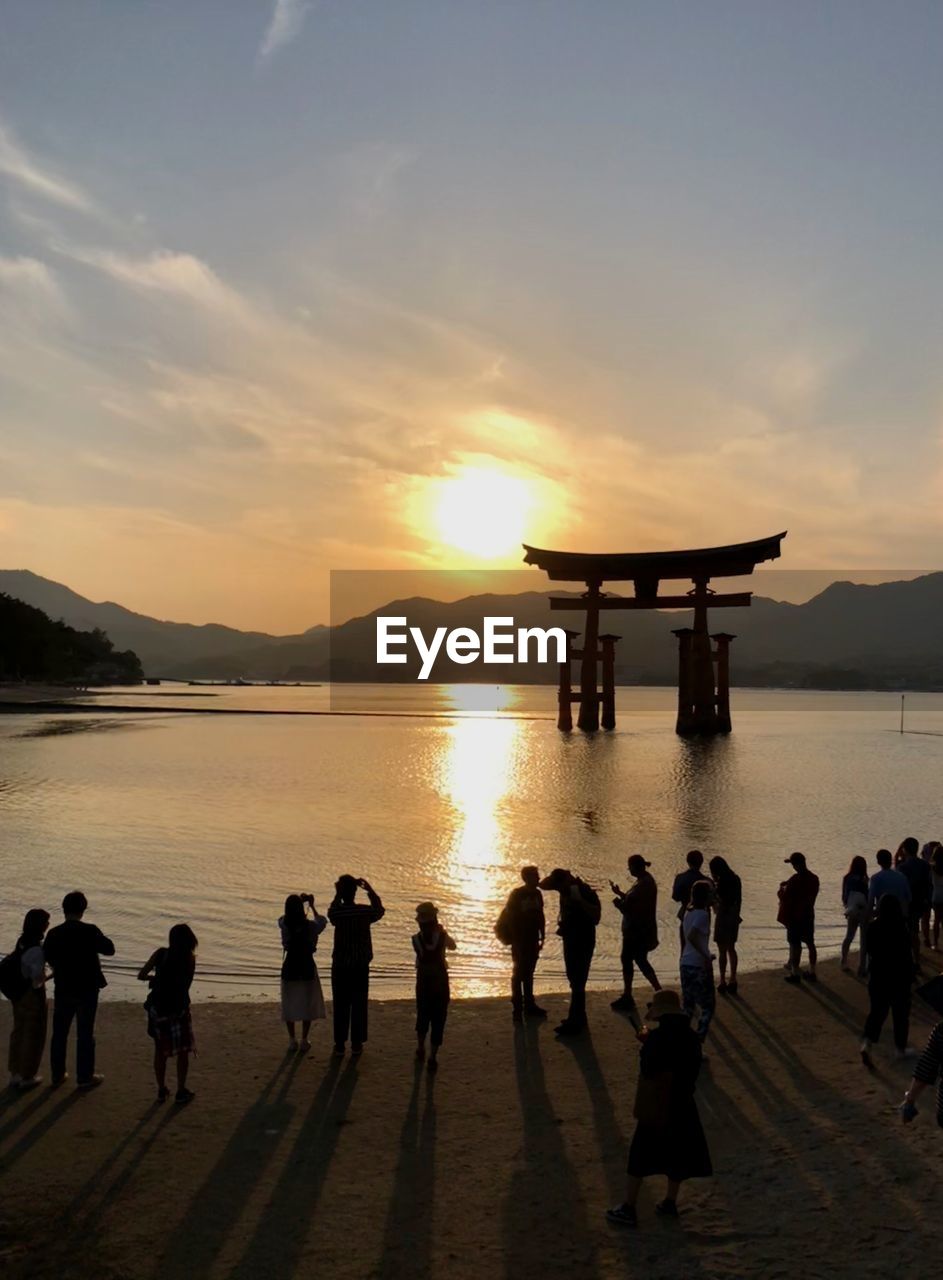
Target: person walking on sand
[
  {"x": 891, "y": 972},
  {"x": 72, "y": 952},
  {"x": 25, "y": 970},
  {"x": 918, "y": 876},
  {"x": 579, "y": 915},
  {"x": 927, "y": 1072},
  {"x": 697, "y": 962},
  {"x": 525, "y": 926},
  {"x": 927, "y": 853},
  {"x": 170, "y": 973},
  {"x": 432, "y": 982},
  {"x": 797, "y": 897},
  {"x": 350, "y": 963},
  {"x": 668, "y": 1136},
  {"x": 936, "y": 901},
  {"x": 302, "y": 998},
  {"x": 728, "y": 902},
  {"x": 855, "y": 889},
  {"x": 887, "y": 880},
  {"x": 681, "y": 890},
  {"x": 638, "y": 906}
]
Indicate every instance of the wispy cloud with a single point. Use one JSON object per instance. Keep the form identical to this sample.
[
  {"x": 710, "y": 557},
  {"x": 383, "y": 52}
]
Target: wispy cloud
[
  {"x": 28, "y": 173},
  {"x": 288, "y": 18}
]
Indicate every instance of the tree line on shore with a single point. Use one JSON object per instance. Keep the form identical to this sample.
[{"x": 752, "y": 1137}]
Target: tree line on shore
[{"x": 35, "y": 648}]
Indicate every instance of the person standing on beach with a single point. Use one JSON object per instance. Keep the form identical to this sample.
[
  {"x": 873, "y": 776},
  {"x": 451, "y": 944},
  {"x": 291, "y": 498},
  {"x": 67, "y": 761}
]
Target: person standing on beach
[
  {"x": 917, "y": 874},
  {"x": 526, "y": 927},
  {"x": 432, "y": 982},
  {"x": 350, "y": 964},
  {"x": 579, "y": 915},
  {"x": 668, "y": 1138},
  {"x": 697, "y": 963},
  {"x": 638, "y": 907},
  {"x": 681, "y": 890},
  {"x": 936, "y": 877},
  {"x": 72, "y": 951},
  {"x": 891, "y": 972},
  {"x": 887, "y": 880},
  {"x": 728, "y": 902},
  {"x": 302, "y": 998},
  {"x": 855, "y": 891},
  {"x": 927, "y": 854},
  {"x": 170, "y": 973},
  {"x": 27, "y": 995},
  {"x": 927, "y": 1072},
  {"x": 797, "y": 897}
]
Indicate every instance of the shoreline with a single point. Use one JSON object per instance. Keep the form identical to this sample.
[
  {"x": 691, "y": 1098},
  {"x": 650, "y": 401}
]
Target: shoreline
[{"x": 504, "y": 1160}]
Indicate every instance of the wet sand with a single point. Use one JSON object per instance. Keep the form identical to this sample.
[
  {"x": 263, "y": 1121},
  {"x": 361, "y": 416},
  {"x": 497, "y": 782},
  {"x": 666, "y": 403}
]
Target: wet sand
[{"x": 501, "y": 1165}]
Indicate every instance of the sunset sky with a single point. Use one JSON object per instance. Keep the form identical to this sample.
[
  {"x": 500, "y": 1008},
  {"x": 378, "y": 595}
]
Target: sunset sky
[{"x": 390, "y": 284}]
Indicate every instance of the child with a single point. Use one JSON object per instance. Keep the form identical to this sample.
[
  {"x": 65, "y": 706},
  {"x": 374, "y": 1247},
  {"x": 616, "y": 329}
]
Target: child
[{"x": 432, "y": 982}]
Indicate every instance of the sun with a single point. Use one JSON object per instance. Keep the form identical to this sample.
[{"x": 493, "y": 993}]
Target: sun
[{"x": 482, "y": 511}]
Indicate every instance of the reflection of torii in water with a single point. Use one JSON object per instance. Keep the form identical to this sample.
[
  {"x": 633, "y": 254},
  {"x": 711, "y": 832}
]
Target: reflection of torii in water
[{"x": 703, "y": 699}]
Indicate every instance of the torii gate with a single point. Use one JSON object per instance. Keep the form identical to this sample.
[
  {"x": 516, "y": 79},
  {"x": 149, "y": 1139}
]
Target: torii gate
[{"x": 703, "y": 699}]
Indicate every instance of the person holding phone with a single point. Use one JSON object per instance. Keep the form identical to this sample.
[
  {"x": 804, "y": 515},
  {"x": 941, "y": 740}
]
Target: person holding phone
[{"x": 350, "y": 964}]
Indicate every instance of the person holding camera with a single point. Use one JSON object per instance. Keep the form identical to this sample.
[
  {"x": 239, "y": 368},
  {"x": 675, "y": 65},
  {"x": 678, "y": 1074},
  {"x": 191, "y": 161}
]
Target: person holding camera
[
  {"x": 350, "y": 963},
  {"x": 302, "y": 998}
]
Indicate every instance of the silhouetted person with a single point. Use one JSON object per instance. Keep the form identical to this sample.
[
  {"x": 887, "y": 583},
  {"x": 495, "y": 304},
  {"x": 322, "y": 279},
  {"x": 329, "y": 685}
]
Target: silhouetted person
[
  {"x": 350, "y": 964},
  {"x": 887, "y": 880},
  {"x": 638, "y": 907},
  {"x": 936, "y": 874},
  {"x": 302, "y": 997},
  {"x": 728, "y": 903},
  {"x": 697, "y": 962},
  {"x": 891, "y": 972},
  {"x": 579, "y": 914},
  {"x": 917, "y": 874},
  {"x": 681, "y": 890},
  {"x": 927, "y": 1072},
  {"x": 432, "y": 982},
  {"x": 27, "y": 993},
  {"x": 668, "y": 1136},
  {"x": 797, "y": 897},
  {"x": 72, "y": 951},
  {"x": 855, "y": 890},
  {"x": 170, "y": 973},
  {"x": 927, "y": 853},
  {"x": 526, "y": 926}
]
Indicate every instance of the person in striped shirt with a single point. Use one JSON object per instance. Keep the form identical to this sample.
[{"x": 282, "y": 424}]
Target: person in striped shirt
[
  {"x": 928, "y": 1071},
  {"x": 350, "y": 964}
]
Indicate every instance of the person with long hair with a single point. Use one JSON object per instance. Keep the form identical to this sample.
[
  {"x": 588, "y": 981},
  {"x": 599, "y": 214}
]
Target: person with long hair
[
  {"x": 28, "y": 1037},
  {"x": 170, "y": 973},
  {"x": 728, "y": 901},
  {"x": 302, "y": 998},
  {"x": 936, "y": 872},
  {"x": 891, "y": 969},
  {"x": 854, "y": 900},
  {"x": 697, "y": 962}
]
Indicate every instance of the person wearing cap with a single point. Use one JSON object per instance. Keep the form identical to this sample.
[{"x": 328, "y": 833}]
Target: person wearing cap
[
  {"x": 797, "y": 897},
  {"x": 668, "y": 1138},
  {"x": 638, "y": 907},
  {"x": 432, "y": 982},
  {"x": 684, "y": 883},
  {"x": 526, "y": 929},
  {"x": 579, "y": 915}
]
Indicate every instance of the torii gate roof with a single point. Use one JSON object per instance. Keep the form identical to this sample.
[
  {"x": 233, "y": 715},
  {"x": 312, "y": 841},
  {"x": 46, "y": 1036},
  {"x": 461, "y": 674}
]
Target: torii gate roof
[{"x": 649, "y": 567}]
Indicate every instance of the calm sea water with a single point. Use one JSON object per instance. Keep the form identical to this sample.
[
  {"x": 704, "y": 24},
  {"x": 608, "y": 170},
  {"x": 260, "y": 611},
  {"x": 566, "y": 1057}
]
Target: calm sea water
[{"x": 213, "y": 819}]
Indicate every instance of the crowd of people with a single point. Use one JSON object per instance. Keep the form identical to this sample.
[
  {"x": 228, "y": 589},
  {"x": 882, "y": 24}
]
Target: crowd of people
[{"x": 891, "y": 912}]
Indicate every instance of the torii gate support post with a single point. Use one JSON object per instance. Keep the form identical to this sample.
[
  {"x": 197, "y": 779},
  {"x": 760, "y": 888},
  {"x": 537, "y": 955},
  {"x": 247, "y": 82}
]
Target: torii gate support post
[
  {"x": 588, "y": 719},
  {"x": 722, "y": 658},
  {"x": 608, "y": 680},
  {"x": 684, "y": 723},
  {"x": 704, "y": 711},
  {"x": 565, "y": 691}
]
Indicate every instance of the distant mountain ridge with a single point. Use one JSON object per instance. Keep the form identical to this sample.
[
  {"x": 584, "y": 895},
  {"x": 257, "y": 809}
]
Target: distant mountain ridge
[{"x": 848, "y": 636}]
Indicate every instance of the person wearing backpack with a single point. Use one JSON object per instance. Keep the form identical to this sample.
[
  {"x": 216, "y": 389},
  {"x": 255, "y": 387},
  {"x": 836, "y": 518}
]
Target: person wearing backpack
[
  {"x": 302, "y": 998},
  {"x": 23, "y": 982},
  {"x": 522, "y": 927},
  {"x": 72, "y": 952},
  {"x": 580, "y": 911},
  {"x": 170, "y": 973}
]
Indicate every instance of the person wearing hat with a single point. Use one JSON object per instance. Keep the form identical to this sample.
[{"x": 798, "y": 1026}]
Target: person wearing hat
[
  {"x": 432, "y": 982},
  {"x": 797, "y": 897},
  {"x": 579, "y": 915},
  {"x": 668, "y": 1138},
  {"x": 638, "y": 907}
]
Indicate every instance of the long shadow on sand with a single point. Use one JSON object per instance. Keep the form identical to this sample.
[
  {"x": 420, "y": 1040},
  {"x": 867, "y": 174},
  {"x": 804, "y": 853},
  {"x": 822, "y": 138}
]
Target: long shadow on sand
[
  {"x": 609, "y": 1136},
  {"x": 217, "y": 1206},
  {"x": 42, "y": 1127},
  {"x": 410, "y": 1214}
]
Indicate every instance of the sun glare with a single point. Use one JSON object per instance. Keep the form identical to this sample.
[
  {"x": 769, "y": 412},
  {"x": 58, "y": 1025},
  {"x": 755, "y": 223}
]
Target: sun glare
[{"x": 482, "y": 512}]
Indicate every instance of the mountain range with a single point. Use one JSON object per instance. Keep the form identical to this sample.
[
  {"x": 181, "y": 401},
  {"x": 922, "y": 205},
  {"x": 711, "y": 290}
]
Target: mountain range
[{"x": 848, "y": 636}]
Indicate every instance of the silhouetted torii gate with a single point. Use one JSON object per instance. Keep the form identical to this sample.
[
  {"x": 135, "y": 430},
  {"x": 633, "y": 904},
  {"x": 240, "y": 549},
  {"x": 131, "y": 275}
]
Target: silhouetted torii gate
[{"x": 703, "y": 701}]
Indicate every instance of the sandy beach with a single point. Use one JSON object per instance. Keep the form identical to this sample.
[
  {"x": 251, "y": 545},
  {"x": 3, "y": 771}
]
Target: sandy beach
[{"x": 505, "y": 1161}]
